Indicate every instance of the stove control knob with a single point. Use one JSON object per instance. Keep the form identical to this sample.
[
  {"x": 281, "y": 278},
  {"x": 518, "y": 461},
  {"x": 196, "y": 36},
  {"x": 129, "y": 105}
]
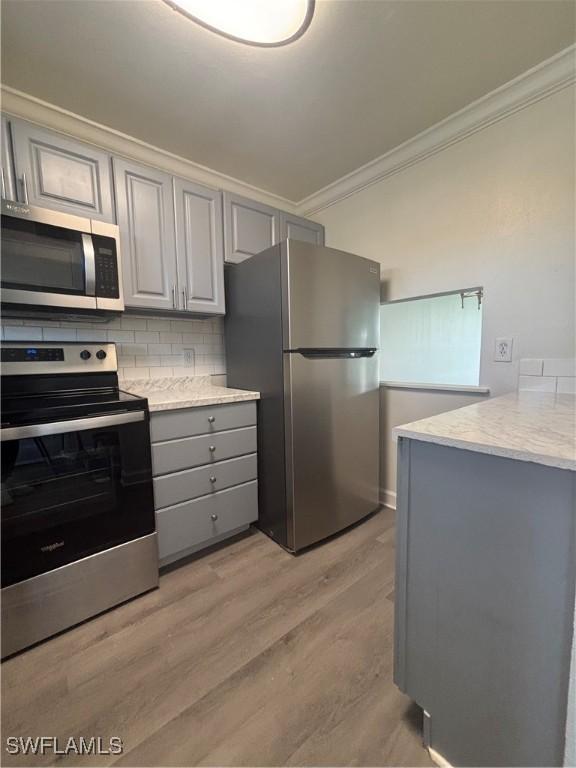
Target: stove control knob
[
  {"x": 85, "y": 354},
  {"x": 101, "y": 355}
]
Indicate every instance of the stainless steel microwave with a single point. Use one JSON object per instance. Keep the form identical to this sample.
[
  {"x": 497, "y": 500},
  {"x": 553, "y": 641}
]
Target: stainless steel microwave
[{"x": 55, "y": 260}]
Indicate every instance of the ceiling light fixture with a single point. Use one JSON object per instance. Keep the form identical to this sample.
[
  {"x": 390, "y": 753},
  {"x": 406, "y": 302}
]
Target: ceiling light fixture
[{"x": 266, "y": 23}]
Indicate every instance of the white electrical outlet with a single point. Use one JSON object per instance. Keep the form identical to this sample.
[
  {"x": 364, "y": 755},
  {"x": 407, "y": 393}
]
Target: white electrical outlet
[
  {"x": 189, "y": 357},
  {"x": 503, "y": 350}
]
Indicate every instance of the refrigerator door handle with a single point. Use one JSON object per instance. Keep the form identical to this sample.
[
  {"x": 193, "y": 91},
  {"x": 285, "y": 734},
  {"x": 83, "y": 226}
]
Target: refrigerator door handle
[{"x": 330, "y": 354}]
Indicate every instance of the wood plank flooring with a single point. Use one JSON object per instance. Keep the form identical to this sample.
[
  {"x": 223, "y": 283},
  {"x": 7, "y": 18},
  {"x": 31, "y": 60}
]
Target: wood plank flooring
[{"x": 246, "y": 656}]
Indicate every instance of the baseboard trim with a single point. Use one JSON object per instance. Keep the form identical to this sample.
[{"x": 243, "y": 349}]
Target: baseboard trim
[
  {"x": 437, "y": 759},
  {"x": 388, "y": 498}
]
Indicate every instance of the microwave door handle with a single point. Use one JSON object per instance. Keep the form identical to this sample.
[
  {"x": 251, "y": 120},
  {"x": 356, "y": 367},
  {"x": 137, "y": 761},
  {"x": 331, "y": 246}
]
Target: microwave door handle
[
  {"x": 73, "y": 425},
  {"x": 89, "y": 264},
  {"x": 25, "y": 188}
]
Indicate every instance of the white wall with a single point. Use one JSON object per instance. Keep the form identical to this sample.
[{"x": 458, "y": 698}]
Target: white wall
[{"x": 497, "y": 210}]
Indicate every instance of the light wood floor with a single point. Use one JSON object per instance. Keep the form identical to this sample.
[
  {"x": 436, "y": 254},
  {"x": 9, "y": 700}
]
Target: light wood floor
[{"x": 246, "y": 656}]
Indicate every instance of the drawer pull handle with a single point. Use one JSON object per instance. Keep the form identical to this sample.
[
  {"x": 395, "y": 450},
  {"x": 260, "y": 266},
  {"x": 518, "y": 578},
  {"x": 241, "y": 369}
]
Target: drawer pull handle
[
  {"x": 212, "y": 448},
  {"x": 212, "y": 479},
  {"x": 211, "y": 419},
  {"x": 214, "y": 517}
]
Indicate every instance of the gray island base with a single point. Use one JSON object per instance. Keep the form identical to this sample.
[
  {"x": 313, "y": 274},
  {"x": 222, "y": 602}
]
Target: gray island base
[{"x": 486, "y": 572}]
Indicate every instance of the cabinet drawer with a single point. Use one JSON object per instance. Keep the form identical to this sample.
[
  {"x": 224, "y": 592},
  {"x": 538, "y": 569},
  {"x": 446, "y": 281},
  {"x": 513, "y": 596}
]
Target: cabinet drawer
[
  {"x": 175, "y": 455},
  {"x": 196, "y": 522},
  {"x": 187, "y": 422},
  {"x": 192, "y": 483}
]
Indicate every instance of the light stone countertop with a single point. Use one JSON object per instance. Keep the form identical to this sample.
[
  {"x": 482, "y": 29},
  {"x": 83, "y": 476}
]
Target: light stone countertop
[
  {"x": 528, "y": 426},
  {"x": 167, "y": 394}
]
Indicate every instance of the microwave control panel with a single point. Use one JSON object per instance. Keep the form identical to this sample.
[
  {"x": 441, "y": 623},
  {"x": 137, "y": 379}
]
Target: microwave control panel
[{"x": 106, "y": 263}]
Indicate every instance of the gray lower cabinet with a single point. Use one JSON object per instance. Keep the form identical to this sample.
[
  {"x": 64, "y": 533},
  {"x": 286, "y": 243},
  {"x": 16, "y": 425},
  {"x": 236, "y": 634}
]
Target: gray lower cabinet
[
  {"x": 7, "y": 169},
  {"x": 208, "y": 419},
  {"x": 204, "y": 464},
  {"x": 198, "y": 523},
  {"x": 199, "y": 247},
  {"x": 249, "y": 227},
  {"x": 297, "y": 228},
  {"x": 174, "y": 455},
  {"x": 201, "y": 481},
  {"x": 484, "y": 600},
  {"x": 57, "y": 172},
  {"x": 145, "y": 205}
]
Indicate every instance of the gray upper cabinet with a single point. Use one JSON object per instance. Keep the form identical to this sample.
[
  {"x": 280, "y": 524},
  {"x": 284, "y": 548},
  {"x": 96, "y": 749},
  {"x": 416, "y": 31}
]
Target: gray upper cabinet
[
  {"x": 8, "y": 189},
  {"x": 297, "y": 228},
  {"x": 54, "y": 171},
  {"x": 199, "y": 247},
  {"x": 249, "y": 227},
  {"x": 145, "y": 208}
]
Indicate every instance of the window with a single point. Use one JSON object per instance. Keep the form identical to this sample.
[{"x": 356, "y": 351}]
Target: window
[{"x": 432, "y": 340}]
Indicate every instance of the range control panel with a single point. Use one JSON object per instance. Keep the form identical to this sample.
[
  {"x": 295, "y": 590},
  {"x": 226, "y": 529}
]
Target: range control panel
[
  {"x": 47, "y": 357},
  {"x": 31, "y": 354}
]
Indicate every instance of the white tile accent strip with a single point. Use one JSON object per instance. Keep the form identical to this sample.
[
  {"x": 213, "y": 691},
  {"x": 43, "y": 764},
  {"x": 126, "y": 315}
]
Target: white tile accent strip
[
  {"x": 537, "y": 383},
  {"x": 566, "y": 385},
  {"x": 148, "y": 347},
  {"x": 530, "y": 367},
  {"x": 560, "y": 367},
  {"x": 548, "y": 375}
]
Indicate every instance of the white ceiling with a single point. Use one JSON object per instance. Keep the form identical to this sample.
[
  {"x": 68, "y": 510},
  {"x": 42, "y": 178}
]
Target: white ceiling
[{"x": 368, "y": 75}]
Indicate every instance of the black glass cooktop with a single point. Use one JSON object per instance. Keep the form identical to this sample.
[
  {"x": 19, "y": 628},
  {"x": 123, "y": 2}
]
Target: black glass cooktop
[{"x": 34, "y": 408}]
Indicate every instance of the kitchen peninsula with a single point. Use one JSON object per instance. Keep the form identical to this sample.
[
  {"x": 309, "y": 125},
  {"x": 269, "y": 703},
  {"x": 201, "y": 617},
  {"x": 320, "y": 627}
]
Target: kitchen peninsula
[{"x": 486, "y": 576}]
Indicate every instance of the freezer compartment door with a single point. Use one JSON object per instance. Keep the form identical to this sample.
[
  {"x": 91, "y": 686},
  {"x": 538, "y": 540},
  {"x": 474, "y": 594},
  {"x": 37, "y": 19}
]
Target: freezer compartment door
[
  {"x": 331, "y": 298},
  {"x": 332, "y": 437}
]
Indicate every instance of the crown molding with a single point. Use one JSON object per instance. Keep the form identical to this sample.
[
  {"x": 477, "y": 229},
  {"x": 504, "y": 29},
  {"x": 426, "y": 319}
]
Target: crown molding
[
  {"x": 541, "y": 81},
  {"x": 537, "y": 83},
  {"x": 23, "y": 105}
]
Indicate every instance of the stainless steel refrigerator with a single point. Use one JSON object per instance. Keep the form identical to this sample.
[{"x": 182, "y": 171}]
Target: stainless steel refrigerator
[{"x": 302, "y": 327}]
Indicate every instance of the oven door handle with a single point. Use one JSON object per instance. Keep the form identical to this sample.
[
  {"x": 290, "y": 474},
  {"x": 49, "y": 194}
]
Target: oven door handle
[
  {"x": 89, "y": 264},
  {"x": 73, "y": 425}
]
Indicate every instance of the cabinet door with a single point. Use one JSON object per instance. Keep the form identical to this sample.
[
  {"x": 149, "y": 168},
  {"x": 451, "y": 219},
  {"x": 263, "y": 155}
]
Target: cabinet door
[
  {"x": 54, "y": 171},
  {"x": 249, "y": 227},
  {"x": 8, "y": 190},
  {"x": 145, "y": 205},
  {"x": 199, "y": 248},
  {"x": 297, "y": 228}
]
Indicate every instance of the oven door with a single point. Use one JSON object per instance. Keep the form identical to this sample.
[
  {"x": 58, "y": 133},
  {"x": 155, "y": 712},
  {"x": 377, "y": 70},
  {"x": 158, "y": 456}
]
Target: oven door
[
  {"x": 73, "y": 488},
  {"x": 47, "y": 258}
]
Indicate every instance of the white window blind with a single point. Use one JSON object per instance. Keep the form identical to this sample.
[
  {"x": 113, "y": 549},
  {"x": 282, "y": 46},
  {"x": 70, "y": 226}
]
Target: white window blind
[{"x": 432, "y": 340}]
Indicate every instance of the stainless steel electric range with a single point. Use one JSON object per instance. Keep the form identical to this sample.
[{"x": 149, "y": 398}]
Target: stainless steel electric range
[{"x": 78, "y": 526}]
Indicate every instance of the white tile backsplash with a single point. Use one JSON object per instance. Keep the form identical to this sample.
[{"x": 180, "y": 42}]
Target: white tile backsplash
[
  {"x": 53, "y": 333},
  {"x": 560, "y": 367},
  {"x": 531, "y": 367},
  {"x": 159, "y": 325},
  {"x": 120, "y": 336},
  {"x": 85, "y": 334},
  {"x": 146, "y": 337},
  {"x": 22, "y": 333},
  {"x": 566, "y": 385},
  {"x": 170, "y": 338},
  {"x": 548, "y": 375},
  {"x": 537, "y": 383},
  {"x": 148, "y": 347}
]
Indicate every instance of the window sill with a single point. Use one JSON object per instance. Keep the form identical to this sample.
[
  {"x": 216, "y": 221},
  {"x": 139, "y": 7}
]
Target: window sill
[{"x": 436, "y": 387}]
